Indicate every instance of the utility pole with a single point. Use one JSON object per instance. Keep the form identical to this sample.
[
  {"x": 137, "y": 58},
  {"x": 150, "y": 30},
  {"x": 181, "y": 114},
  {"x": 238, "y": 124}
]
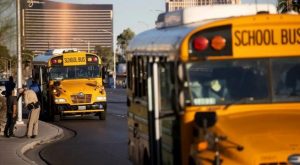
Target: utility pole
[
  {"x": 19, "y": 75},
  {"x": 114, "y": 56}
]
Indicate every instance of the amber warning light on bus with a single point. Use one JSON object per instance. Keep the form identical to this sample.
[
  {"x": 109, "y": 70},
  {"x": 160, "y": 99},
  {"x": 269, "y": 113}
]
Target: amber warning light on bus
[{"x": 218, "y": 42}]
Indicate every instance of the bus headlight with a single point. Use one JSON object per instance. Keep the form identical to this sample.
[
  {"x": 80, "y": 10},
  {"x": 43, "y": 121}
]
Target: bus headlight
[
  {"x": 101, "y": 98},
  {"x": 56, "y": 92},
  {"x": 102, "y": 90},
  {"x": 60, "y": 100}
]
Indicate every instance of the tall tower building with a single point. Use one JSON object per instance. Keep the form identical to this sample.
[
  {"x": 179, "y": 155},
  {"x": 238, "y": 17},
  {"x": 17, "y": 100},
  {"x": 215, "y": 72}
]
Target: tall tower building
[
  {"x": 172, "y": 5},
  {"x": 51, "y": 25}
]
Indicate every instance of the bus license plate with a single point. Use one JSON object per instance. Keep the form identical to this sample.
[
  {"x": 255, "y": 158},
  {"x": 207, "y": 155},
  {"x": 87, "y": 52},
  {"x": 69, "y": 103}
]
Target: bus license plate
[{"x": 81, "y": 108}]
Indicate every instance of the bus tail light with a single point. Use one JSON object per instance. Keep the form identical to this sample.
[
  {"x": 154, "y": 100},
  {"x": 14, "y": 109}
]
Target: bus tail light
[
  {"x": 54, "y": 61},
  {"x": 218, "y": 42},
  {"x": 200, "y": 43}
]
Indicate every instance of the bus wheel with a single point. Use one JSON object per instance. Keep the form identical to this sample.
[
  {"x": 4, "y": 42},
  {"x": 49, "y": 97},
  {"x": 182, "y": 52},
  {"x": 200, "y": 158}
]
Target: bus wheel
[
  {"x": 191, "y": 161},
  {"x": 146, "y": 160},
  {"x": 102, "y": 115}
]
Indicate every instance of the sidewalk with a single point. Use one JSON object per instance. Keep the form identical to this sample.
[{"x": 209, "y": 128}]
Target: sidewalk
[{"x": 13, "y": 148}]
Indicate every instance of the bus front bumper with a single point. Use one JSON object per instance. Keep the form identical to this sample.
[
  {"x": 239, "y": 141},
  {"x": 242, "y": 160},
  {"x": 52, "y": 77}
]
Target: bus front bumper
[
  {"x": 89, "y": 108},
  {"x": 82, "y": 111}
]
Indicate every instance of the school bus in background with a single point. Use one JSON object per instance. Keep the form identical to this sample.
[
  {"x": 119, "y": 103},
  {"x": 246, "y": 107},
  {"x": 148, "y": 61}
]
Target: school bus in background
[
  {"x": 74, "y": 84},
  {"x": 216, "y": 85}
]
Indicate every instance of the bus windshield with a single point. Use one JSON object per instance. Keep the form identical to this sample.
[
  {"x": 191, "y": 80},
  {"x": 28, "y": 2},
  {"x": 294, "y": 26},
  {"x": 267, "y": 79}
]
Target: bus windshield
[
  {"x": 74, "y": 72},
  {"x": 244, "y": 81}
]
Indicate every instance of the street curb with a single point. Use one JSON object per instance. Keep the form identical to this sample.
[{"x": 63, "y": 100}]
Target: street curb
[{"x": 29, "y": 145}]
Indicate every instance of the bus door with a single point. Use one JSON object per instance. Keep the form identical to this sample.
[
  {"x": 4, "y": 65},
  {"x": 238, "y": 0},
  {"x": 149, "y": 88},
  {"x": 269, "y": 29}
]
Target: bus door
[
  {"x": 163, "y": 126},
  {"x": 40, "y": 74}
]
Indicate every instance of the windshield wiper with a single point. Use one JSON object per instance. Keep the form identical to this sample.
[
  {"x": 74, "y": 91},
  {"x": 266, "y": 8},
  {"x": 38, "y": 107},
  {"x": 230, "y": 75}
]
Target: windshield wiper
[{"x": 242, "y": 100}]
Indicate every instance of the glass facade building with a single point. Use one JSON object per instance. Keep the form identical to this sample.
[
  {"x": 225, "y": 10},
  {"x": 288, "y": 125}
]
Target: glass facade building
[{"x": 53, "y": 25}]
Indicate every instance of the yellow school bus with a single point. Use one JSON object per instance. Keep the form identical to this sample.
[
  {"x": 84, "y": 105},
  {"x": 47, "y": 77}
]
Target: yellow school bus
[
  {"x": 216, "y": 85},
  {"x": 74, "y": 84}
]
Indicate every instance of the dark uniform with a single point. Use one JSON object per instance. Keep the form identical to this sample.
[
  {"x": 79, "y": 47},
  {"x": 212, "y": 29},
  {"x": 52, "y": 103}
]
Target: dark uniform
[
  {"x": 10, "y": 100},
  {"x": 10, "y": 115}
]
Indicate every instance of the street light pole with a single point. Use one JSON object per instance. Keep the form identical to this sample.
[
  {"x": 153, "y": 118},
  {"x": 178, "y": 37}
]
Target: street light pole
[
  {"x": 19, "y": 75},
  {"x": 114, "y": 75},
  {"x": 114, "y": 55},
  {"x": 88, "y": 43}
]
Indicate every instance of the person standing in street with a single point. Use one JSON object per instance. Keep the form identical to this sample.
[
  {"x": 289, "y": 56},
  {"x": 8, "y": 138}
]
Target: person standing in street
[
  {"x": 11, "y": 114},
  {"x": 36, "y": 88},
  {"x": 32, "y": 104},
  {"x": 9, "y": 86}
]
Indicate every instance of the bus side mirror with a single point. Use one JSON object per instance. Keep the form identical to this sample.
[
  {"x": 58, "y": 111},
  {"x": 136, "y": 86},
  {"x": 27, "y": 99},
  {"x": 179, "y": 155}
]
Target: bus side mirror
[
  {"x": 182, "y": 86},
  {"x": 181, "y": 73},
  {"x": 181, "y": 99},
  {"x": 205, "y": 119}
]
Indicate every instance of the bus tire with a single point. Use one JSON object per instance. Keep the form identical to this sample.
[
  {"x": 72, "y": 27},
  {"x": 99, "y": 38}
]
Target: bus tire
[
  {"x": 191, "y": 161},
  {"x": 102, "y": 115},
  {"x": 146, "y": 159}
]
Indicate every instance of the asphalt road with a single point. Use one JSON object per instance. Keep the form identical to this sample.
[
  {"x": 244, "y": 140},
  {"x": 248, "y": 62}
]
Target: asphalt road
[{"x": 91, "y": 141}]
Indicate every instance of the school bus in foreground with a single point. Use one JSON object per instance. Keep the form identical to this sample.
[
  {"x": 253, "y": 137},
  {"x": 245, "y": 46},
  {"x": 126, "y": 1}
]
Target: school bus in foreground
[
  {"x": 216, "y": 85},
  {"x": 74, "y": 84}
]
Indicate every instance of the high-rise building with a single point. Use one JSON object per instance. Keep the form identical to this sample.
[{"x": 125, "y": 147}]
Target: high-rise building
[
  {"x": 172, "y": 5},
  {"x": 51, "y": 25}
]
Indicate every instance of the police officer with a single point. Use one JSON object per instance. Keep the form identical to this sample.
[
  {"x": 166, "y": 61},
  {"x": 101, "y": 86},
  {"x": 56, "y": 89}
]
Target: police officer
[{"x": 33, "y": 105}]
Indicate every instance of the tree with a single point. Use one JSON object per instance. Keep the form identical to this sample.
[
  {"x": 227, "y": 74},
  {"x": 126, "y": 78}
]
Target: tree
[
  {"x": 4, "y": 56},
  {"x": 6, "y": 25},
  {"x": 123, "y": 40},
  {"x": 106, "y": 55},
  {"x": 27, "y": 55},
  {"x": 6, "y": 20},
  {"x": 285, "y": 6}
]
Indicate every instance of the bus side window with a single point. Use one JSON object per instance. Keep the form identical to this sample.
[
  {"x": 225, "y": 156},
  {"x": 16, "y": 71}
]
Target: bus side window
[
  {"x": 140, "y": 78},
  {"x": 144, "y": 77},
  {"x": 135, "y": 76},
  {"x": 129, "y": 75},
  {"x": 166, "y": 85},
  {"x": 293, "y": 80}
]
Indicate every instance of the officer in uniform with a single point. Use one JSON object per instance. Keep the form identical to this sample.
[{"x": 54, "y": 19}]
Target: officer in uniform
[{"x": 32, "y": 104}]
